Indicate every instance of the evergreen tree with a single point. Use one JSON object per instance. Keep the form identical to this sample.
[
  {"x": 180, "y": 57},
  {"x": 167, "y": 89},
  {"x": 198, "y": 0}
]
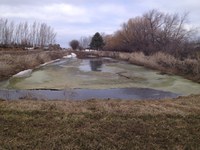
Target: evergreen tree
[{"x": 97, "y": 42}]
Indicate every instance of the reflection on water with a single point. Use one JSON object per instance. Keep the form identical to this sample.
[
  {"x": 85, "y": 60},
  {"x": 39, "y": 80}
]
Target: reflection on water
[
  {"x": 96, "y": 64},
  {"x": 101, "y": 73}
]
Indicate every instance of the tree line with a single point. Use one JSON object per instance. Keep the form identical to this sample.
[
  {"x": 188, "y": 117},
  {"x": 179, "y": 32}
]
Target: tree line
[
  {"x": 152, "y": 32},
  {"x": 25, "y": 34}
]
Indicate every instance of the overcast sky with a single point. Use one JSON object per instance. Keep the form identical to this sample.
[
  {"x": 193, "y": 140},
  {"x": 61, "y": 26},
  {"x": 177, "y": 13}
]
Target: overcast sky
[{"x": 72, "y": 19}]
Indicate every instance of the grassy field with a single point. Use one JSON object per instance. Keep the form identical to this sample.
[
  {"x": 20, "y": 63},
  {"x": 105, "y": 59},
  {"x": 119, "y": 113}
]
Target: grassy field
[{"x": 101, "y": 124}]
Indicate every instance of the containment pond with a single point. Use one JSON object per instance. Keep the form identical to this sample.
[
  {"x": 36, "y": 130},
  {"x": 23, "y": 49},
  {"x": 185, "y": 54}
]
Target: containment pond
[{"x": 80, "y": 79}]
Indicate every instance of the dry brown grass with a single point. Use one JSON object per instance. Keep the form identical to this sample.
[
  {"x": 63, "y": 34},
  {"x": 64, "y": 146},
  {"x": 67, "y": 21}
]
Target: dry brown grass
[
  {"x": 14, "y": 62},
  {"x": 189, "y": 67},
  {"x": 101, "y": 124}
]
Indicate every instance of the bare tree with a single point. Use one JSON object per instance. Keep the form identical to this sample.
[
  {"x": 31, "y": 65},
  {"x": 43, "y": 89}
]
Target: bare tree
[
  {"x": 152, "y": 32},
  {"x": 85, "y": 41},
  {"x": 25, "y": 34}
]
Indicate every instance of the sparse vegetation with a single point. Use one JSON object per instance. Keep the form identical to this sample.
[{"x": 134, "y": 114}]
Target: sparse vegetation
[{"x": 100, "y": 124}]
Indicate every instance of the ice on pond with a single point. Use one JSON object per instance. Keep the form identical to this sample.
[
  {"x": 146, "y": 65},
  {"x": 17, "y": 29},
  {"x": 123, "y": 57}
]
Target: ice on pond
[{"x": 25, "y": 73}]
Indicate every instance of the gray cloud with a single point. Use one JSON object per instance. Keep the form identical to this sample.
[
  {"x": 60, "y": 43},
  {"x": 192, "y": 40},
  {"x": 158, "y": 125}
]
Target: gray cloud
[{"x": 29, "y": 2}]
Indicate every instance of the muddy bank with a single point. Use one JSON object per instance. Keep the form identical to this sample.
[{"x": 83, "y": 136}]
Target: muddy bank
[{"x": 167, "y": 64}]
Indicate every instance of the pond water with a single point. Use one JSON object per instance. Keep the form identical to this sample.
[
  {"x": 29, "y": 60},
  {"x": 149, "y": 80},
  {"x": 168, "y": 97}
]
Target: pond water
[{"x": 90, "y": 78}]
